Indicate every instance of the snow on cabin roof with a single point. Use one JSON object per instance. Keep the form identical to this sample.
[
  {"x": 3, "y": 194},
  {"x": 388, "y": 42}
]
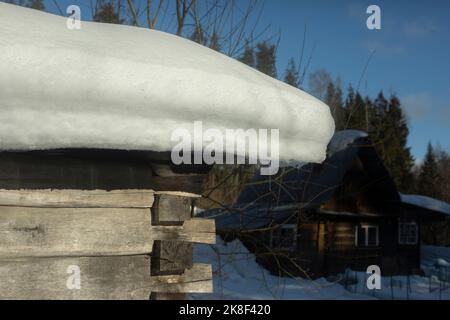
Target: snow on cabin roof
[
  {"x": 121, "y": 87},
  {"x": 342, "y": 139},
  {"x": 426, "y": 202}
]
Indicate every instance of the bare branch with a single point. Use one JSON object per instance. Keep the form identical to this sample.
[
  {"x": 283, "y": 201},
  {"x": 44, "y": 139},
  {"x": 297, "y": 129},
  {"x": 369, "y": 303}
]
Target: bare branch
[{"x": 133, "y": 12}]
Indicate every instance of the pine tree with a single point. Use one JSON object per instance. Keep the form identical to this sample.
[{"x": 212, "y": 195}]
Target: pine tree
[
  {"x": 428, "y": 183},
  {"x": 333, "y": 98},
  {"x": 248, "y": 57},
  {"x": 36, "y": 4},
  {"x": 443, "y": 162},
  {"x": 266, "y": 59},
  {"x": 291, "y": 74},
  {"x": 377, "y": 114},
  {"x": 106, "y": 13},
  {"x": 355, "y": 113},
  {"x": 401, "y": 160},
  {"x": 389, "y": 133}
]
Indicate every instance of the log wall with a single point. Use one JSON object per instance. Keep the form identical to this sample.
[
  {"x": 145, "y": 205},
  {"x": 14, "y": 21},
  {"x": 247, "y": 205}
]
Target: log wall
[{"x": 123, "y": 244}]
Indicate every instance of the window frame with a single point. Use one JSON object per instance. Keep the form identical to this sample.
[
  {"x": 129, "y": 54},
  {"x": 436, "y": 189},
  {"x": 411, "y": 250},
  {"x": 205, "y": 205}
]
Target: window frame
[
  {"x": 290, "y": 226},
  {"x": 366, "y": 240},
  {"x": 416, "y": 234}
]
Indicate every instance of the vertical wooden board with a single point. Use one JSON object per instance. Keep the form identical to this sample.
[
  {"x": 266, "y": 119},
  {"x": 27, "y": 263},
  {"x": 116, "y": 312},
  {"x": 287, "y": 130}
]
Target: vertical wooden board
[
  {"x": 120, "y": 277},
  {"x": 26, "y": 232}
]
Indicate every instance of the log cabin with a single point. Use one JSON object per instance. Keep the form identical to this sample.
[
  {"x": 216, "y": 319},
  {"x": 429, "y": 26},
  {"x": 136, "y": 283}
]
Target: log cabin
[{"x": 320, "y": 219}]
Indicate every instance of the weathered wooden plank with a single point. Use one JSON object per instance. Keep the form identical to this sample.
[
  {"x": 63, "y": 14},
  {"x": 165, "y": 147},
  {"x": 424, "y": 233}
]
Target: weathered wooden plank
[
  {"x": 120, "y": 277},
  {"x": 47, "y": 232},
  {"x": 74, "y": 231},
  {"x": 194, "y": 230},
  {"x": 198, "y": 279},
  {"x": 78, "y": 198},
  {"x": 169, "y": 208}
]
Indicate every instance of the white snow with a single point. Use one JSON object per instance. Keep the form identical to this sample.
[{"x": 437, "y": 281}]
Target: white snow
[
  {"x": 341, "y": 140},
  {"x": 236, "y": 275},
  {"x": 121, "y": 87},
  {"x": 426, "y": 202}
]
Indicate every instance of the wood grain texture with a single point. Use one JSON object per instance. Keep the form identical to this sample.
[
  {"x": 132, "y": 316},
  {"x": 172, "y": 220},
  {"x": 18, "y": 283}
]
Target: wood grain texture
[
  {"x": 78, "y": 198},
  {"x": 170, "y": 209},
  {"x": 198, "y": 279},
  {"x": 171, "y": 257},
  {"x": 194, "y": 230},
  {"x": 34, "y": 232},
  {"x": 122, "y": 277},
  {"x": 109, "y": 236},
  {"x": 74, "y": 231},
  {"x": 101, "y": 278}
]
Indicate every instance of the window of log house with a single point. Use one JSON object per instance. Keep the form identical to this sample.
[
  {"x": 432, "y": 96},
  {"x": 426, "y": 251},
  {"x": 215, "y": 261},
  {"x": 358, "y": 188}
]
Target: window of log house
[
  {"x": 407, "y": 233},
  {"x": 366, "y": 236}
]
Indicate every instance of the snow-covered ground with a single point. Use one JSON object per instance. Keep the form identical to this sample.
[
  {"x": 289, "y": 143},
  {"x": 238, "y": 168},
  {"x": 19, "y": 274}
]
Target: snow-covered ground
[{"x": 238, "y": 276}]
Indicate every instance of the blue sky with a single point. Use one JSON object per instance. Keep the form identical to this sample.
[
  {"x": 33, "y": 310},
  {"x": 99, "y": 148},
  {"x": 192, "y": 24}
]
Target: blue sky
[{"x": 412, "y": 53}]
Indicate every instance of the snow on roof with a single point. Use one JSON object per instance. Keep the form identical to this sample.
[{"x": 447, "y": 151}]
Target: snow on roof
[
  {"x": 426, "y": 202},
  {"x": 341, "y": 140},
  {"x": 121, "y": 87}
]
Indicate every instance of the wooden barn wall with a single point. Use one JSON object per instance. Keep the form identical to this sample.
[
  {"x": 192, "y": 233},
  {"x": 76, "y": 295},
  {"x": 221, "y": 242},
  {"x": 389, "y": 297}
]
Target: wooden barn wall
[{"x": 126, "y": 244}]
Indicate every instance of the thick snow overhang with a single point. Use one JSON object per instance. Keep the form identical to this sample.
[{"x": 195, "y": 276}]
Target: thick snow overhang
[
  {"x": 119, "y": 87},
  {"x": 343, "y": 139}
]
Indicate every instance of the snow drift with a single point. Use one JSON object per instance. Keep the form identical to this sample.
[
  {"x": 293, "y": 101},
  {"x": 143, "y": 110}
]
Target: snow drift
[{"x": 121, "y": 87}]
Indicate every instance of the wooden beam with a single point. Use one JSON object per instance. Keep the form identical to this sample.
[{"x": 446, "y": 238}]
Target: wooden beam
[
  {"x": 171, "y": 209},
  {"x": 74, "y": 231},
  {"x": 43, "y": 232},
  {"x": 77, "y": 198},
  {"x": 120, "y": 277},
  {"x": 90, "y": 170},
  {"x": 194, "y": 230},
  {"x": 198, "y": 279}
]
